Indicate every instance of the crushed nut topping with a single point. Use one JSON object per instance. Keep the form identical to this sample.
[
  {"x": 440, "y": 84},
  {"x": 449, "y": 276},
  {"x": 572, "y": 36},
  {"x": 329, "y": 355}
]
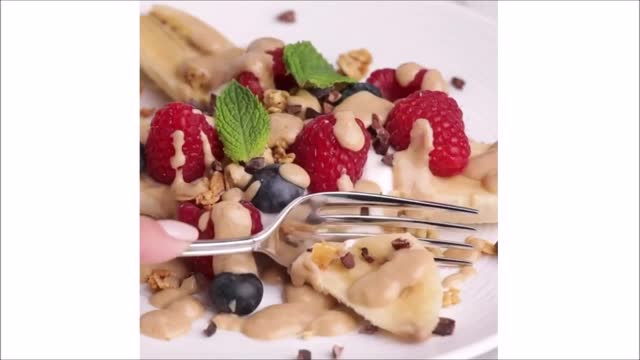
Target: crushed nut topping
[
  {"x": 400, "y": 243},
  {"x": 388, "y": 159},
  {"x": 288, "y": 17},
  {"x": 365, "y": 255},
  {"x": 211, "y": 329},
  {"x": 348, "y": 261},
  {"x": 280, "y": 155},
  {"x": 445, "y": 327},
  {"x": 336, "y": 352},
  {"x": 304, "y": 354},
  {"x": 380, "y": 134},
  {"x": 450, "y": 297},
  {"x": 213, "y": 194},
  {"x": 457, "y": 83},
  {"x": 162, "y": 279},
  {"x": 146, "y": 112},
  {"x": 355, "y": 63},
  {"x": 275, "y": 100}
]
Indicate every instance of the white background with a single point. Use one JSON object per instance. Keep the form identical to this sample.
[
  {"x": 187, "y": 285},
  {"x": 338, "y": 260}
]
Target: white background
[{"x": 568, "y": 106}]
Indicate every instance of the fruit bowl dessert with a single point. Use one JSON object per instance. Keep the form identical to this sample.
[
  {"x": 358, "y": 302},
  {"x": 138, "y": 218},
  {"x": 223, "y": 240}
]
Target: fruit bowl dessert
[{"x": 249, "y": 129}]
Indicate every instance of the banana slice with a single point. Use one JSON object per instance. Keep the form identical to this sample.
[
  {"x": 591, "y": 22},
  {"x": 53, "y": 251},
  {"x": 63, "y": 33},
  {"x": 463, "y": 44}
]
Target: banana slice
[
  {"x": 399, "y": 291},
  {"x": 178, "y": 51}
]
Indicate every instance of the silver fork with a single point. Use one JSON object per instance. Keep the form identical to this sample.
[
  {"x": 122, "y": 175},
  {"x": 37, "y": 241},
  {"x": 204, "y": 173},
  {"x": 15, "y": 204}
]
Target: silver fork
[{"x": 309, "y": 219}]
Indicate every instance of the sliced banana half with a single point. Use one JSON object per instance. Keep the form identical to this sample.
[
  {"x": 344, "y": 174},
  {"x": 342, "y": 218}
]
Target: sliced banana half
[{"x": 390, "y": 282}]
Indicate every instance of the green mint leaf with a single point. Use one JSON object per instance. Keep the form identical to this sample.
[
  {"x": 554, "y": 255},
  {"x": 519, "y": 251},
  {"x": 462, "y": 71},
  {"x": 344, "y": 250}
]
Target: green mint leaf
[
  {"x": 242, "y": 122},
  {"x": 309, "y": 68}
]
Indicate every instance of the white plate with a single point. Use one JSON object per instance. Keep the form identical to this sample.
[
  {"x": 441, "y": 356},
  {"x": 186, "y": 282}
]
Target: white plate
[{"x": 440, "y": 35}]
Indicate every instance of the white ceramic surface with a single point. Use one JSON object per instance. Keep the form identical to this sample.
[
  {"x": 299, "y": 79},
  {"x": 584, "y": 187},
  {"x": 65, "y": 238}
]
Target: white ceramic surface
[{"x": 442, "y": 35}]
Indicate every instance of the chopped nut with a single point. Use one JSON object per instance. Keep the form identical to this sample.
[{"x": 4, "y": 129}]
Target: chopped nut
[
  {"x": 216, "y": 188},
  {"x": 388, "y": 159},
  {"x": 235, "y": 176},
  {"x": 355, "y": 63},
  {"x": 450, "y": 297},
  {"x": 381, "y": 136},
  {"x": 280, "y": 156},
  {"x": 348, "y": 261},
  {"x": 146, "y": 112},
  {"x": 211, "y": 329},
  {"x": 304, "y": 354},
  {"x": 323, "y": 254},
  {"x": 288, "y": 16},
  {"x": 368, "y": 328},
  {"x": 457, "y": 83},
  {"x": 162, "y": 279},
  {"x": 275, "y": 100},
  {"x": 445, "y": 326},
  {"x": 400, "y": 243},
  {"x": 365, "y": 255},
  {"x": 336, "y": 352}
]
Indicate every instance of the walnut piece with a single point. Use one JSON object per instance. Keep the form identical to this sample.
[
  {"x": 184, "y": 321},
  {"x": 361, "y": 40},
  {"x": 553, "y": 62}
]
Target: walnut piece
[
  {"x": 162, "y": 279},
  {"x": 280, "y": 155},
  {"x": 355, "y": 63},
  {"x": 450, "y": 297},
  {"x": 213, "y": 194},
  {"x": 275, "y": 100}
]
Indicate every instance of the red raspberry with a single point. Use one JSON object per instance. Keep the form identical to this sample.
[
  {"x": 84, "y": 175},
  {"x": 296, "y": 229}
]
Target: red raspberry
[
  {"x": 451, "y": 151},
  {"x": 385, "y": 80},
  {"x": 159, "y": 147},
  {"x": 256, "y": 220},
  {"x": 321, "y": 155},
  {"x": 250, "y": 81},
  {"x": 280, "y": 77}
]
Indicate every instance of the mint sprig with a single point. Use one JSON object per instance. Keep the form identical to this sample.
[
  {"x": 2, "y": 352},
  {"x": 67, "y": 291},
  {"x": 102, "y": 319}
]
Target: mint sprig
[
  {"x": 309, "y": 68},
  {"x": 242, "y": 122}
]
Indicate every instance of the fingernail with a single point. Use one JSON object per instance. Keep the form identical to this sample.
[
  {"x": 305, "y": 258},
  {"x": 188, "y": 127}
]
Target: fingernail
[{"x": 179, "y": 230}]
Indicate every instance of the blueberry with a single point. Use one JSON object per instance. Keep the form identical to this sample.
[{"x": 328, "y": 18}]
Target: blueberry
[
  {"x": 236, "y": 293},
  {"x": 357, "y": 87},
  {"x": 275, "y": 193},
  {"x": 141, "y": 157}
]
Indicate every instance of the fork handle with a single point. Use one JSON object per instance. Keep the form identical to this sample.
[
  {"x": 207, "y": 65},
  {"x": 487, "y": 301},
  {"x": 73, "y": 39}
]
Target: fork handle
[{"x": 219, "y": 247}]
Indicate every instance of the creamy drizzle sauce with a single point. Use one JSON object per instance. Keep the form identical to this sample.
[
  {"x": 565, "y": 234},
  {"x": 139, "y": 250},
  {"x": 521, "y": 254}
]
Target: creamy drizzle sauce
[
  {"x": 295, "y": 174},
  {"x": 203, "y": 220},
  {"x": 367, "y": 186},
  {"x": 434, "y": 81},
  {"x": 284, "y": 127},
  {"x": 406, "y": 72},
  {"x": 265, "y": 44},
  {"x": 347, "y": 131},
  {"x": 455, "y": 280},
  {"x": 364, "y": 104},
  {"x": 234, "y": 194},
  {"x": 232, "y": 220},
  {"x": 252, "y": 190},
  {"x": 206, "y": 147},
  {"x": 344, "y": 183},
  {"x": 306, "y": 100},
  {"x": 384, "y": 285},
  {"x": 156, "y": 199},
  {"x": 178, "y": 159}
]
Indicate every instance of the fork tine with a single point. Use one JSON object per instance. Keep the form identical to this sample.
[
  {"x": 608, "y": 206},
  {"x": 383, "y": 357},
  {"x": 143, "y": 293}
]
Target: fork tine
[
  {"x": 450, "y": 261},
  {"x": 389, "y": 219},
  {"x": 340, "y": 236},
  {"x": 379, "y": 199}
]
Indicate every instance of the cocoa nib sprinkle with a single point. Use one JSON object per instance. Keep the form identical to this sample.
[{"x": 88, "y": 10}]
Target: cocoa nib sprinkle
[
  {"x": 254, "y": 165},
  {"x": 336, "y": 352},
  {"x": 288, "y": 17},
  {"x": 364, "y": 211},
  {"x": 445, "y": 327},
  {"x": 388, "y": 159},
  {"x": 380, "y": 134},
  {"x": 310, "y": 113},
  {"x": 400, "y": 244},
  {"x": 304, "y": 354},
  {"x": 457, "y": 83},
  {"x": 365, "y": 255},
  {"x": 368, "y": 328},
  {"x": 348, "y": 261},
  {"x": 211, "y": 329}
]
